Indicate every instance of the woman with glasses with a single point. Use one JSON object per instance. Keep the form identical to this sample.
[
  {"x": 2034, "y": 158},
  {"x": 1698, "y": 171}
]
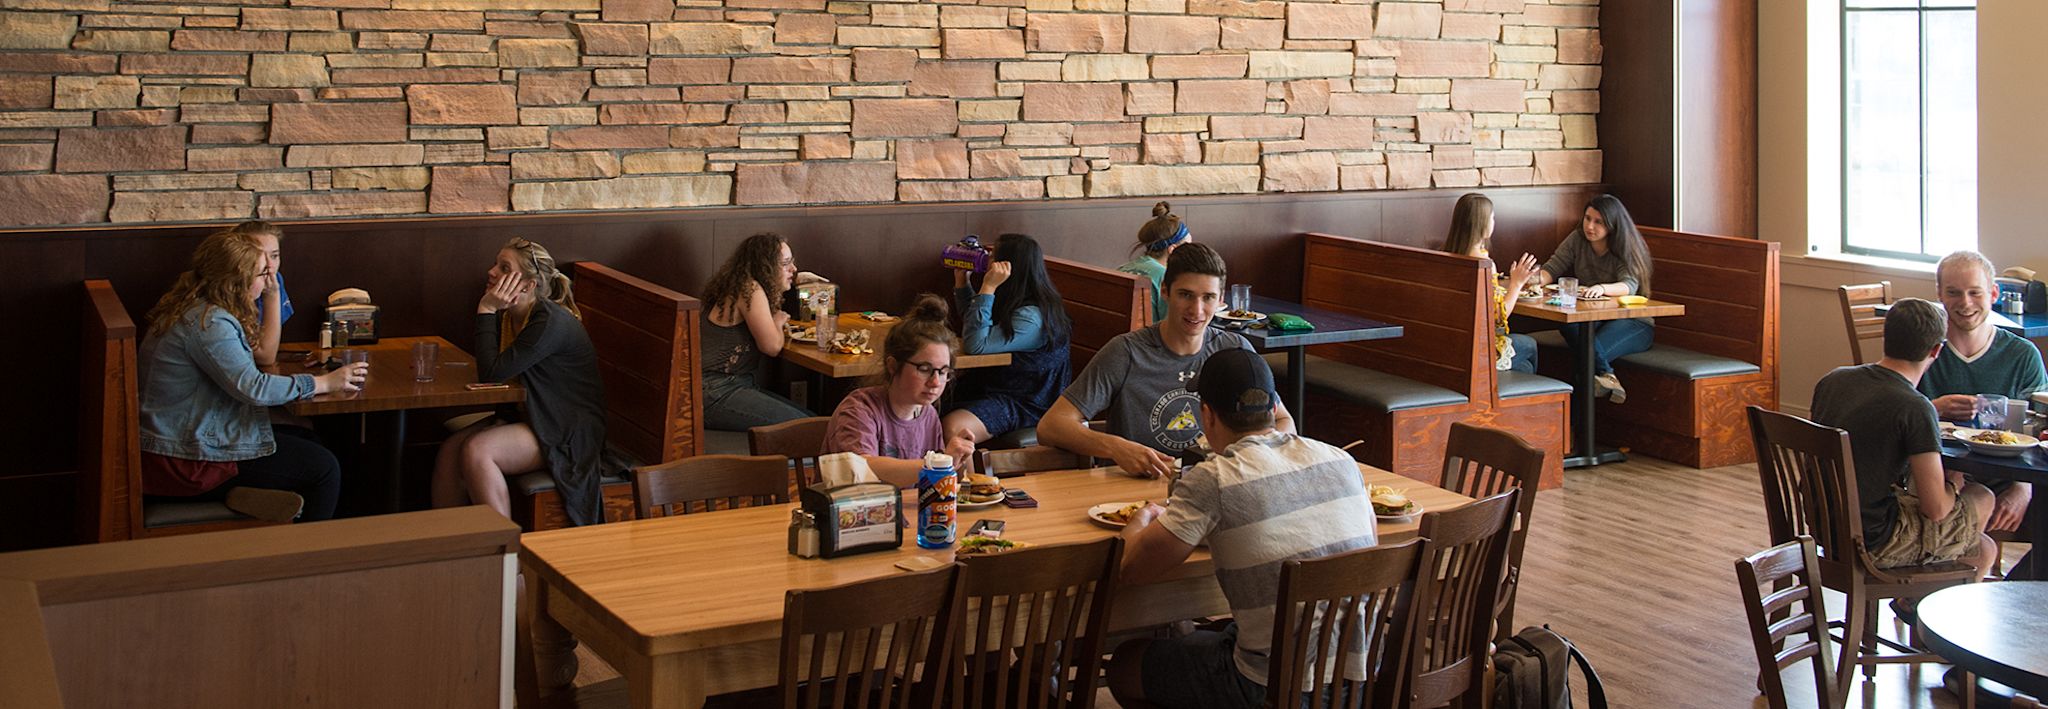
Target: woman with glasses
[
  {"x": 742, "y": 327},
  {"x": 894, "y": 422}
]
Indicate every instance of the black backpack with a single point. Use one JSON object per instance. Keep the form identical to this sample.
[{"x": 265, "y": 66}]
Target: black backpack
[{"x": 1533, "y": 671}]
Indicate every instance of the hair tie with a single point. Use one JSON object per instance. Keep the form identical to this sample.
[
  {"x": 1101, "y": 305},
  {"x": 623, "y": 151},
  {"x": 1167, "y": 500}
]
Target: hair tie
[{"x": 1180, "y": 234}]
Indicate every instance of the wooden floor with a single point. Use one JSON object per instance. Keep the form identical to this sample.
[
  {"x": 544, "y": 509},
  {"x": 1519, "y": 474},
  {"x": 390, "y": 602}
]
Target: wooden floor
[{"x": 1635, "y": 563}]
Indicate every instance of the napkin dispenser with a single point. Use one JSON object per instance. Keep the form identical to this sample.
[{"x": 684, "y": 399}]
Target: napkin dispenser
[
  {"x": 351, "y": 309},
  {"x": 855, "y": 518},
  {"x": 2033, "y": 294}
]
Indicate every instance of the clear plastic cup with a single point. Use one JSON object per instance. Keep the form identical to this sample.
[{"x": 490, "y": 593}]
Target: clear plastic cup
[
  {"x": 1240, "y": 297},
  {"x": 1568, "y": 292},
  {"x": 1991, "y": 411},
  {"x": 426, "y": 358}
]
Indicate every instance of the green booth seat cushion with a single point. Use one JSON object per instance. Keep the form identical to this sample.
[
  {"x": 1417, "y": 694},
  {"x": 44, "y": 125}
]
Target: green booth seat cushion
[
  {"x": 171, "y": 514},
  {"x": 1368, "y": 387},
  {"x": 1668, "y": 360},
  {"x": 1514, "y": 384}
]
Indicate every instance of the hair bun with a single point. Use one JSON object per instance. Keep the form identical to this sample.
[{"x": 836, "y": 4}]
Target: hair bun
[
  {"x": 928, "y": 307},
  {"x": 1162, "y": 209}
]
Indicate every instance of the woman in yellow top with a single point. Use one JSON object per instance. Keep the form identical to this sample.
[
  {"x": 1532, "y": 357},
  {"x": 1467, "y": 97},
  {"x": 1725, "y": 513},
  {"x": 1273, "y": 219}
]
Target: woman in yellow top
[{"x": 1471, "y": 232}]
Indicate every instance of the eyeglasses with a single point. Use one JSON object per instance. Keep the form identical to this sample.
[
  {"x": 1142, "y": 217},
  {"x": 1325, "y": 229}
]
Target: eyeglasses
[{"x": 930, "y": 372}]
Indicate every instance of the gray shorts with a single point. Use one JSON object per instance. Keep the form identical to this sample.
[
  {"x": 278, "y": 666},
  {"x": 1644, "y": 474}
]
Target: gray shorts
[{"x": 1199, "y": 672}]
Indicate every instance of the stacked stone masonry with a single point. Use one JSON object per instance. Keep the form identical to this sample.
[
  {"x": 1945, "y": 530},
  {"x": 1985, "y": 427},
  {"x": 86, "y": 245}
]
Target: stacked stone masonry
[{"x": 145, "y": 111}]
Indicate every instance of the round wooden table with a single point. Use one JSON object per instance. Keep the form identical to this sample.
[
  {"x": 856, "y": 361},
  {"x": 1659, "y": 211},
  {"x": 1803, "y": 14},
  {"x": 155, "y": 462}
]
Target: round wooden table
[{"x": 1994, "y": 629}]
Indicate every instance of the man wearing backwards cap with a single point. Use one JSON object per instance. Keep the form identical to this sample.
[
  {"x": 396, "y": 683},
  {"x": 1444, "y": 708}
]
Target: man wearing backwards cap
[{"x": 1265, "y": 497}]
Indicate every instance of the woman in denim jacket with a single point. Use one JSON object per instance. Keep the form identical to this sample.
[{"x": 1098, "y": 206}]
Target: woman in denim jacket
[{"x": 204, "y": 417}]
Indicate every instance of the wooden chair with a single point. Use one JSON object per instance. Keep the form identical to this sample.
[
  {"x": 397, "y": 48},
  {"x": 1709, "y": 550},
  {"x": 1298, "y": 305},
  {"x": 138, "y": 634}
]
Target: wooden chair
[
  {"x": 1859, "y": 313},
  {"x": 1034, "y": 459},
  {"x": 858, "y": 645},
  {"x": 1464, "y": 553},
  {"x": 801, "y": 441},
  {"x": 1059, "y": 598},
  {"x": 1354, "y": 602},
  {"x": 1792, "y": 573},
  {"x": 1483, "y": 462},
  {"x": 1809, "y": 484},
  {"x": 703, "y": 481}
]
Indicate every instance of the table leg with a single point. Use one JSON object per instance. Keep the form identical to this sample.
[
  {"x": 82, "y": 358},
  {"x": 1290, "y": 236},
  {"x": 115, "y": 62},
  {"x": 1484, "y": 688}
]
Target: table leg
[
  {"x": 2034, "y": 567},
  {"x": 394, "y": 460},
  {"x": 673, "y": 681},
  {"x": 1296, "y": 397},
  {"x": 1588, "y": 452},
  {"x": 546, "y": 652}
]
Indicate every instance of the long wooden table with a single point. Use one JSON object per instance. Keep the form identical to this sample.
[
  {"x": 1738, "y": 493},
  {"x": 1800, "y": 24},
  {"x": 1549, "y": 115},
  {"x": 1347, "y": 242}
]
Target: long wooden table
[
  {"x": 390, "y": 391},
  {"x": 846, "y": 366},
  {"x": 1588, "y": 451},
  {"x": 691, "y": 606}
]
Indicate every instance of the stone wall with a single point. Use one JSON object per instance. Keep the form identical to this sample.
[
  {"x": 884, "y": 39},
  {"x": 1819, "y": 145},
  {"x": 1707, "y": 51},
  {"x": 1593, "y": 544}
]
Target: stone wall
[{"x": 143, "y": 111}]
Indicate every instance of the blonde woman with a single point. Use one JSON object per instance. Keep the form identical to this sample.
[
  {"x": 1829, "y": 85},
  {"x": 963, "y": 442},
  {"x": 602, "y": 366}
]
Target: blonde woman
[
  {"x": 528, "y": 329},
  {"x": 205, "y": 426}
]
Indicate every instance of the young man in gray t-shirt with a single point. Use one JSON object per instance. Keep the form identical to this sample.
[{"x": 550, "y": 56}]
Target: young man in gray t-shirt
[{"x": 1139, "y": 378}]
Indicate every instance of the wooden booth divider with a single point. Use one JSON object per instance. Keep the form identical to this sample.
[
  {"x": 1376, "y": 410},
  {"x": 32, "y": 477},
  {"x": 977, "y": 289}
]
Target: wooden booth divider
[{"x": 1102, "y": 302}]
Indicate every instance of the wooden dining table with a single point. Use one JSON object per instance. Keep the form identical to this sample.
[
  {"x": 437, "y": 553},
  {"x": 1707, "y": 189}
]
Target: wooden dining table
[
  {"x": 834, "y": 365},
  {"x": 1587, "y": 451},
  {"x": 390, "y": 391},
  {"x": 691, "y": 606}
]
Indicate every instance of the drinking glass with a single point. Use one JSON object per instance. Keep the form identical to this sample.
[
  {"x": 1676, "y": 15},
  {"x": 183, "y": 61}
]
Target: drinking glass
[
  {"x": 351, "y": 357},
  {"x": 1990, "y": 411},
  {"x": 1568, "y": 292},
  {"x": 1240, "y": 297},
  {"x": 426, "y": 357}
]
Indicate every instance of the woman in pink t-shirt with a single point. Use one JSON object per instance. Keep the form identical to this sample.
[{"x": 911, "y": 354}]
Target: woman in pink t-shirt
[{"x": 893, "y": 423}]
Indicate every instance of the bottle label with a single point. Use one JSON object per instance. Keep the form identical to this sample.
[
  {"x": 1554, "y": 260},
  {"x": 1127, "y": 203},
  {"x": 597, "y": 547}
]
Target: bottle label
[{"x": 937, "y": 513}]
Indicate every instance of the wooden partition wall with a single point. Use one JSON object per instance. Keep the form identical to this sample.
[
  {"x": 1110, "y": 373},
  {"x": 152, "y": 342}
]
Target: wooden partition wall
[
  {"x": 412, "y": 609},
  {"x": 426, "y": 274}
]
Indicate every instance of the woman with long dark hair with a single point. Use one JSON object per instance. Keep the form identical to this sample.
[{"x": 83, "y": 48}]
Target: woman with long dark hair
[
  {"x": 1608, "y": 256},
  {"x": 893, "y": 422},
  {"x": 1157, "y": 239},
  {"x": 1471, "y": 235},
  {"x": 742, "y": 327},
  {"x": 1016, "y": 310}
]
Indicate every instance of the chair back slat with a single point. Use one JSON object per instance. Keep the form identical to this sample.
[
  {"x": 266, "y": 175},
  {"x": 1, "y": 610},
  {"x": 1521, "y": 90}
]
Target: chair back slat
[
  {"x": 1859, "y": 313},
  {"x": 801, "y": 441},
  {"x": 710, "y": 482},
  {"x": 1028, "y": 605},
  {"x": 871, "y": 634},
  {"x": 1464, "y": 557},
  {"x": 1793, "y": 572},
  {"x": 1332, "y": 608}
]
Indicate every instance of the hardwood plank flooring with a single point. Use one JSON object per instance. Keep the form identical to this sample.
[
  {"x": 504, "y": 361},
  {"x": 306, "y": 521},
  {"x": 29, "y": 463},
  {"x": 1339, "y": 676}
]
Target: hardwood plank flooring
[{"x": 1635, "y": 563}]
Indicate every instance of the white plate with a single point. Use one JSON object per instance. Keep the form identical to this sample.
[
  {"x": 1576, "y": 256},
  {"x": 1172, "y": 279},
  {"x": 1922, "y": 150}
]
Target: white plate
[
  {"x": 1225, "y": 315},
  {"x": 1994, "y": 449},
  {"x": 1413, "y": 512},
  {"x": 965, "y": 505},
  {"x": 1099, "y": 513}
]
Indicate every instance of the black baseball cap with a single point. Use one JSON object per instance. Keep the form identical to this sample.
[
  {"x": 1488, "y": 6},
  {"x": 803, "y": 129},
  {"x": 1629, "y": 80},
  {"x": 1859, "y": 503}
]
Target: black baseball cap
[{"x": 1236, "y": 381}]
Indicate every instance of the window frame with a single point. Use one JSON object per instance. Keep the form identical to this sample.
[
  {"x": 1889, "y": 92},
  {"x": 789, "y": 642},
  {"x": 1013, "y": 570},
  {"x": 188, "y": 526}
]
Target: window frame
[{"x": 1920, "y": 9}]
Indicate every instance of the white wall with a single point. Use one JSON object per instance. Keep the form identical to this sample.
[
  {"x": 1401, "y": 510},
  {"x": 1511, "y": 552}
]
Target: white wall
[{"x": 1798, "y": 146}]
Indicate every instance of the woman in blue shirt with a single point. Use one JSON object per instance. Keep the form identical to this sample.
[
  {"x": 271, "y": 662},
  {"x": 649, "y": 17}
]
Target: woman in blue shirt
[{"x": 1016, "y": 310}]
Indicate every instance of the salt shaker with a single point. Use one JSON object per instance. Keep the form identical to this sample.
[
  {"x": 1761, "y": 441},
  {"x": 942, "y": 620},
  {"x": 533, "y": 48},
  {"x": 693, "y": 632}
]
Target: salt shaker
[{"x": 803, "y": 534}]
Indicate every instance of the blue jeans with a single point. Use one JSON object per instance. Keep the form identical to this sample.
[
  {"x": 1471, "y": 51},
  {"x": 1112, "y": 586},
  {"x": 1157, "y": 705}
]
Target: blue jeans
[
  {"x": 1612, "y": 340},
  {"x": 1525, "y": 353},
  {"x": 733, "y": 403}
]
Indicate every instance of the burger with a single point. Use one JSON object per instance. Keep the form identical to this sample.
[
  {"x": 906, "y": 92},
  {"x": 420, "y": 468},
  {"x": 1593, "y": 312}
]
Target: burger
[
  {"x": 1388, "y": 502},
  {"x": 983, "y": 546},
  {"x": 981, "y": 489}
]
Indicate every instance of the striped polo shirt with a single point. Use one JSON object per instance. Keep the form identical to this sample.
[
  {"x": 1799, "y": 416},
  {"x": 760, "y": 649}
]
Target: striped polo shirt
[{"x": 1265, "y": 500}]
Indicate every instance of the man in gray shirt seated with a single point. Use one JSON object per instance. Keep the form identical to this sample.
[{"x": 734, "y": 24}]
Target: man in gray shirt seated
[
  {"x": 1914, "y": 512},
  {"x": 1139, "y": 378}
]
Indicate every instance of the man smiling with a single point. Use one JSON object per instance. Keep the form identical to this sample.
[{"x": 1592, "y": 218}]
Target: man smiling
[
  {"x": 1980, "y": 359},
  {"x": 1140, "y": 377}
]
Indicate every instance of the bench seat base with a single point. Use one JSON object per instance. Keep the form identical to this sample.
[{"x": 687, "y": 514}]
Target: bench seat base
[{"x": 1682, "y": 406}]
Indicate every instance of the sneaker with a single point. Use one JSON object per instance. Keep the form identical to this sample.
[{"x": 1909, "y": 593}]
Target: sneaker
[
  {"x": 266, "y": 505},
  {"x": 1610, "y": 386}
]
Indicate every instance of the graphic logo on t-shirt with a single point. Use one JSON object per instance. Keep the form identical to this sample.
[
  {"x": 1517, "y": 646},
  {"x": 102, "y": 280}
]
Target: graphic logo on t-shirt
[{"x": 1173, "y": 420}]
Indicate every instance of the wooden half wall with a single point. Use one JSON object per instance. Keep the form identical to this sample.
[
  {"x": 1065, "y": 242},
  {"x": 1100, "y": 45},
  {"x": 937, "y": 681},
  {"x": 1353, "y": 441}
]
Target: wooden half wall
[{"x": 426, "y": 274}]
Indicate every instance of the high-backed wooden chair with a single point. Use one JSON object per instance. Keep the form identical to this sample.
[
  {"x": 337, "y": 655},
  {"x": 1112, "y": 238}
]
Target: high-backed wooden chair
[
  {"x": 700, "y": 484},
  {"x": 1463, "y": 554},
  {"x": 859, "y": 645},
  {"x": 1782, "y": 596},
  {"x": 110, "y": 500},
  {"x": 1859, "y": 314},
  {"x": 1483, "y": 462},
  {"x": 1809, "y": 483},
  {"x": 801, "y": 441},
  {"x": 1044, "y": 608},
  {"x": 1354, "y": 603},
  {"x": 1035, "y": 459}
]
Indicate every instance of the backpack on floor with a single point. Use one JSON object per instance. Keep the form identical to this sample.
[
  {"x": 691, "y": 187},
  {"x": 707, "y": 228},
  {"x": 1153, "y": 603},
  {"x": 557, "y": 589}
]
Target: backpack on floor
[{"x": 1533, "y": 671}]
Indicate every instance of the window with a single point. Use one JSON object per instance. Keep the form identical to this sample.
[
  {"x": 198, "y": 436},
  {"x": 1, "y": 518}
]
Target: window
[{"x": 1909, "y": 127}]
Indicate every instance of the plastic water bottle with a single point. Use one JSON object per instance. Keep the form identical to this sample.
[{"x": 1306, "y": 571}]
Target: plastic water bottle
[{"x": 937, "y": 494}]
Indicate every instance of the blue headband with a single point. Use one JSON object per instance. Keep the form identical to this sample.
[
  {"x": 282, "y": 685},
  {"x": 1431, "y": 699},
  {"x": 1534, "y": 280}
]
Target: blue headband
[{"x": 1179, "y": 235}]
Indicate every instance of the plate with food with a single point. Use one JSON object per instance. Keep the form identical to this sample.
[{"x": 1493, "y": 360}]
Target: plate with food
[
  {"x": 852, "y": 343},
  {"x": 1391, "y": 505},
  {"x": 1116, "y": 514},
  {"x": 1995, "y": 443},
  {"x": 804, "y": 334},
  {"x": 1239, "y": 315},
  {"x": 986, "y": 546},
  {"x": 978, "y": 491}
]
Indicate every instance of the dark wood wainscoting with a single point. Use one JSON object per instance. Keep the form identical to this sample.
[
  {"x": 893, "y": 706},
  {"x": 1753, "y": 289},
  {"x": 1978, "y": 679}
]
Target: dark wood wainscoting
[{"x": 425, "y": 274}]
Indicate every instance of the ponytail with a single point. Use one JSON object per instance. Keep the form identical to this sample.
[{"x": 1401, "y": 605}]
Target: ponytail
[{"x": 924, "y": 324}]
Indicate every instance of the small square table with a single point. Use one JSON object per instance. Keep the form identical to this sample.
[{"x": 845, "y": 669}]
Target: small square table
[
  {"x": 1331, "y": 328},
  {"x": 1588, "y": 452}
]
